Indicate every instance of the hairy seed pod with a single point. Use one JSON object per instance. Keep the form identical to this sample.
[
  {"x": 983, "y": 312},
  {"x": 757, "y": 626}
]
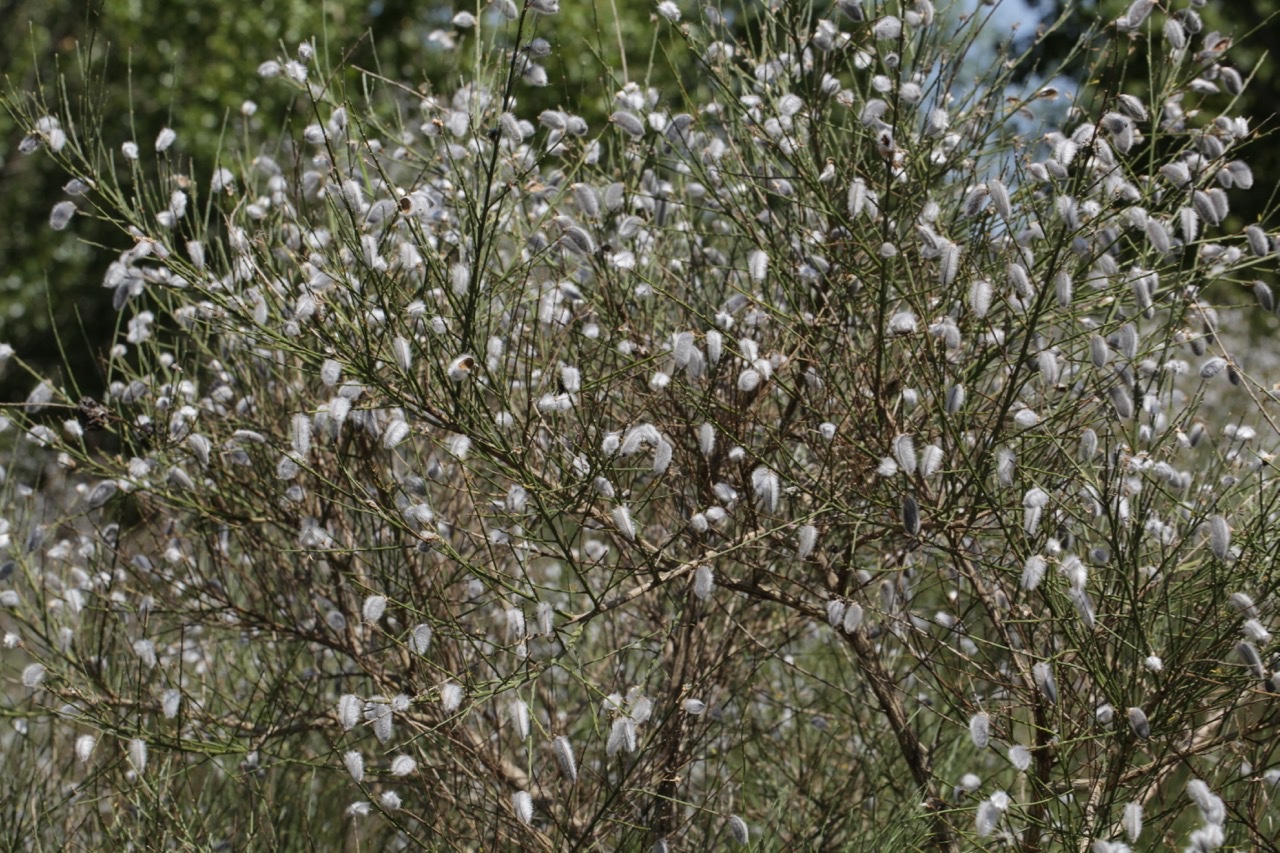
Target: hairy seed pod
[
  {"x": 904, "y": 451},
  {"x": 1033, "y": 572},
  {"x": 1248, "y": 653},
  {"x": 980, "y": 294},
  {"x": 1138, "y": 723},
  {"x": 1219, "y": 537},
  {"x": 852, "y": 618},
  {"x": 980, "y": 729},
  {"x": 563, "y": 751},
  {"x": 1099, "y": 352},
  {"x": 703, "y": 582},
  {"x": 806, "y": 539},
  {"x": 1131, "y": 821}
]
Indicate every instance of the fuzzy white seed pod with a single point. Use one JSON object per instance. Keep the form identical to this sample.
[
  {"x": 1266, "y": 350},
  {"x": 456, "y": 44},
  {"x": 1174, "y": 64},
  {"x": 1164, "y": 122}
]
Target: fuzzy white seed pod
[
  {"x": 980, "y": 729},
  {"x": 806, "y": 539},
  {"x": 621, "y": 517},
  {"x": 1033, "y": 572},
  {"x": 904, "y": 451},
  {"x": 765, "y": 485},
  {"x": 85, "y": 745},
  {"x": 373, "y": 608},
  {"x": 852, "y": 619},
  {"x": 835, "y": 612},
  {"x": 354, "y": 762},
  {"x": 450, "y": 696},
  {"x": 522, "y": 803},
  {"x": 980, "y": 295},
  {"x": 1131, "y": 821},
  {"x": 563, "y": 751},
  {"x": 704, "y": 582},
  {"x": 138, "y": 755}
]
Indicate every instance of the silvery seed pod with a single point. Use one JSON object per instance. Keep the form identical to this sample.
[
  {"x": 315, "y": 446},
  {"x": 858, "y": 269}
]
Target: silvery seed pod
[{"x": 1139, "y": 723}]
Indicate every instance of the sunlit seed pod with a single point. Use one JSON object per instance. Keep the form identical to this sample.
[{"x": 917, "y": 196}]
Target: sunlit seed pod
[
  {"x": 851, "y": 620},
  {"x": 748, "y": 380},
  {"x": 1211, "y": 806},
  {"x": 1042, "y": 673},
  {"x": 349, "y": 708},
  {"x": 354, "y": 763},
  {"x": 518, "y": 713},
  {"x": 1000, "y": 198},
  {"x": 856, "y": 200},
  {"x": 1026, "y": 418},
  {"x": 1131, "y": 821},
  {"x": 563, "y": 751},
  {"x": 1219, "y": 537},
  {"x": 758, "y": 265},
  {"x": 373, "y": 608},
  {"x": 910, "y": 516},
  {"x": 767, "y": 489},
  {"x": 621, "y": 517},
  {"x": 1020, "y": 281},
  {"x": 806, "y": 540},
  {"x": 1033, "y": 572},
  {"x": 1138, "y": 723},
  {"x": 1019, "y": 757},
  {"x": 451, "y": 695},
  {"x": 622, "y": 736},
  {"x": 395, "y": 434},
  {"x": 980, "y": 295},
  {"x": 1212, "y": 367},
  {"x": 662, "y": 457},
  {"x": 32, "y": 675},
  {"x": 955, "y": 399},
  {"x": 85, "y": 745},
  {"x": 904, "y": 452},
  {"x": 138, "y": 755},
  {"x": 980, "y": 730},
  {"x": 522, "y": 804},
  {"x": 715, "y": 346},
  {"x": 420, "y": 639},
  {"x": 835, "y": 612},
  {"x": 930, "y": 460},
  {"x": 704, "y": 582}
]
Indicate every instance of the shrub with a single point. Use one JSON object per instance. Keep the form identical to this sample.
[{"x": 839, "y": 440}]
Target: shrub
[{"x": 848, "y": 451}]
